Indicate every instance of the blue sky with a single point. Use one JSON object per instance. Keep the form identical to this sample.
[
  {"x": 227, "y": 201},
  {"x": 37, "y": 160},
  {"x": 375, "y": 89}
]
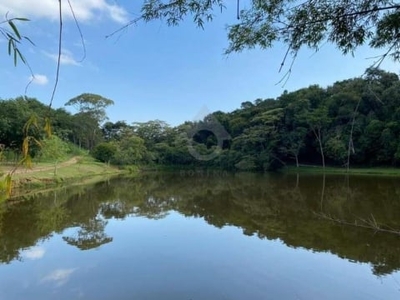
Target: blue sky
[{"x": 153, "y": 71}]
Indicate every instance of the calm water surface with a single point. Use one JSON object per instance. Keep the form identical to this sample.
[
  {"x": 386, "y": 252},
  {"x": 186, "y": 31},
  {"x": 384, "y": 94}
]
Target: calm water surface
[{"x": 205, "y": 236}]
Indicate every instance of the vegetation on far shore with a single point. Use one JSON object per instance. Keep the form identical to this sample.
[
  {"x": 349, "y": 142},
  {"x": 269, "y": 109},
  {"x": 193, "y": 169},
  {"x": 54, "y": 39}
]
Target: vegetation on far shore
[
  {"x": 354, "y": 123},
  {"x": 57, "y": 163},
  {"x": 77, "y": 170},
  {"x": 307, "y": 169}
]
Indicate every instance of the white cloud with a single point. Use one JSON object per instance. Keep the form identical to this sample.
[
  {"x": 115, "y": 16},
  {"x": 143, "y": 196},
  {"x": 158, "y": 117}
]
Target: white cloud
[
  {"x": 66, "y": 58},
  {"x": 85, "y": 10},
  {"x": 34, "y": 252},
  {"x": 59, "y": 276},
  {"x": 39, "y": 79}
]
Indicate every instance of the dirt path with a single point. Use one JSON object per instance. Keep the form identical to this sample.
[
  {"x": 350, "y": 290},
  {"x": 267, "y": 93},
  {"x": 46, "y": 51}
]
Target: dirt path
[{"x": 67, "y": 163}]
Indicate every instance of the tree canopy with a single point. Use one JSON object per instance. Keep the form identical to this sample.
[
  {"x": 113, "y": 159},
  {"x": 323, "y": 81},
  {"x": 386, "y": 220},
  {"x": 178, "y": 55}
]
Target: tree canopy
[
  {"x": 92, "y": 104},
  {"x": 261, "y": 23},
  {"x": 352, "y": 122}
]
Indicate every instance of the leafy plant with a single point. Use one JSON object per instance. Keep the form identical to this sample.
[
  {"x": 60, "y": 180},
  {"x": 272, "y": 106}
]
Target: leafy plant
[{"x": 14, "y": 37}]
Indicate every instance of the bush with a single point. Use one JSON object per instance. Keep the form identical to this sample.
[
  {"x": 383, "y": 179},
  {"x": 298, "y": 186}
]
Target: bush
[{"x": 104, "y": 152}]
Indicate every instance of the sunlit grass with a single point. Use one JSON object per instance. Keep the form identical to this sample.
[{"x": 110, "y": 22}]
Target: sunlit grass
[
  {"x": 71, "y": 171},
  {"x": 83, "y": 168}
]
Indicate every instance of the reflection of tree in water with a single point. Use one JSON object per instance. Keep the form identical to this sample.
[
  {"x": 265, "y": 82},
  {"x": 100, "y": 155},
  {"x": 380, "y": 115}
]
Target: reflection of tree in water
[
  {"x": 272, "y": 207},
  {"x": 90, "y": 235},
  {"x": 115, "y": 210},
  {"x": 53, "y": 219}
]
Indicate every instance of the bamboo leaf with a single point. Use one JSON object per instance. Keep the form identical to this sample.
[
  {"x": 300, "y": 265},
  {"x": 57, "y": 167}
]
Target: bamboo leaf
[
  {"x": 47, "y": 126},
  {"x": 25, "y": 146},
  {"x": 9, "y": 46},
  {"x": 22, "y": 58},
  {"x": 37, "y": 142},
  {"x": 15, "y": 56},
  {"x": 10, "y": 37},
  {"x": 28, "y": 161},
  {"x": 14, "y": 28},
  {"x": 21, "y": 19},
  {"x": 29, "y": 40},
  {"x": 32, "y": 121}
]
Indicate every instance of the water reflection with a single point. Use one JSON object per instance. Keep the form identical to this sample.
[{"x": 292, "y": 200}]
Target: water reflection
[{"x": 281, "y": 207}]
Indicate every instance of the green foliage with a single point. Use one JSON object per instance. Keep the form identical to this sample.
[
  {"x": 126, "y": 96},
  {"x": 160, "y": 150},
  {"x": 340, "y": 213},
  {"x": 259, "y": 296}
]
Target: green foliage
[
  {"x": 308, "y": 126},
  {"x": 54, "y": 149},
  {"x": 262, "y": 23},
  {"x": 14, "y": 38},
  {"x": 104, "y": 152},
  {"x": 129, "y": 151},
  {"x": 91, "y": 104},
  {"x": 132, "y": 169},
  {"x": 91, "y": 113},
  {"x": 247, "y": 163}
]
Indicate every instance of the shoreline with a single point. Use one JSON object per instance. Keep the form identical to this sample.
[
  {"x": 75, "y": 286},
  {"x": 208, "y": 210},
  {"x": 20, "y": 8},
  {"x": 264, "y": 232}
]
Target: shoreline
[
  {"x": 367, "y": 171},
  {"x": 85, "y": 171},
  {"x": 39, "y": 179}
]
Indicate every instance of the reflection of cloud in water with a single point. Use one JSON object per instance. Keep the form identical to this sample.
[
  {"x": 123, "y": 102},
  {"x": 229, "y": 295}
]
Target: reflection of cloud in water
[
  {"x": 34, "y": 253},
  {"x": 59, "y": 276}
]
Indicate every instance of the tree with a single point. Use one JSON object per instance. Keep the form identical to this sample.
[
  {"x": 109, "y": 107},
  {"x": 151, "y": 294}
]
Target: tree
[
  {"x": 112, "y": 131},
  {"x": 318, "y": 121},
  {"x": 130, "y": 150},
  {"x": 86, "y": 130},
  {"x": 294, "y": 142},
  {"x": 152, "y": 132},
  {"x": 92, "y": 104},
  {"x": 104, "y": 152},
  {"x": 92, "y": 112},
  {"x": 346, "y": 24},
  {"x": 54, "y": 149},
  {"x": 295, "y": 124}
]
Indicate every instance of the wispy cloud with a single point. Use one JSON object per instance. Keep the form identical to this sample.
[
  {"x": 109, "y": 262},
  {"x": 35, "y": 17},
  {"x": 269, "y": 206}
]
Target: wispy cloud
[
  {"x": 34, "y": 252},
  {"x": 66, "y": 58},
  {"x": 39, "y": 79},
  {"x": 85, "y": 10},
  {"x": 59, "y": 276}
]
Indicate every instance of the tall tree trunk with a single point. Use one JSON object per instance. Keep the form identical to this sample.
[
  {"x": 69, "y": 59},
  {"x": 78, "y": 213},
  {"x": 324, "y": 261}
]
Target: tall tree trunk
[
  {"x": 351, "y": 146},
  {"x": 318, "y": 136},
  {"x": 322, "y": 154}
]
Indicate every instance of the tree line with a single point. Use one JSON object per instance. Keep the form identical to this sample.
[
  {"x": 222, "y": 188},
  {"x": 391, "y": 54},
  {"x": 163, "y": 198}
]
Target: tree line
[
  {"x": 352, "y": 122},
  {"x": 355, "y": 122}
]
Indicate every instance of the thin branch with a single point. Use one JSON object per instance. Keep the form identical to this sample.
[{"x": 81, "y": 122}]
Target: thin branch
[
  {"x": 351, "y": 134},
  {"x": 356, "y": 13},
  {"x": 130, "y": 23},
  {"x": 367, "y": 224},
  {"x": 378, "y": 63},
  {"x": 59, "y": 53},
  {"x": 80, "y": 31},
  {"x": 286, "y": 77},
  {"x": 284, "y": 59},
  {"x": 31, "y": 80}
]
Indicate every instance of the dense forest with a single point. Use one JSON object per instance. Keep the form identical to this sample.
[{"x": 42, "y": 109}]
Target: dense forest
[{"x": 355, "y": 122}]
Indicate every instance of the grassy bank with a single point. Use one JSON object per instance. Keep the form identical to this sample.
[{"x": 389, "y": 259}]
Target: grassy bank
[
  {"x": 43, "y": 175},
  {"x": 343, "y": 171}
]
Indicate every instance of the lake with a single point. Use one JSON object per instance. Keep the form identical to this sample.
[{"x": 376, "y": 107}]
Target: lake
[{"x": 205, "y": 235}]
